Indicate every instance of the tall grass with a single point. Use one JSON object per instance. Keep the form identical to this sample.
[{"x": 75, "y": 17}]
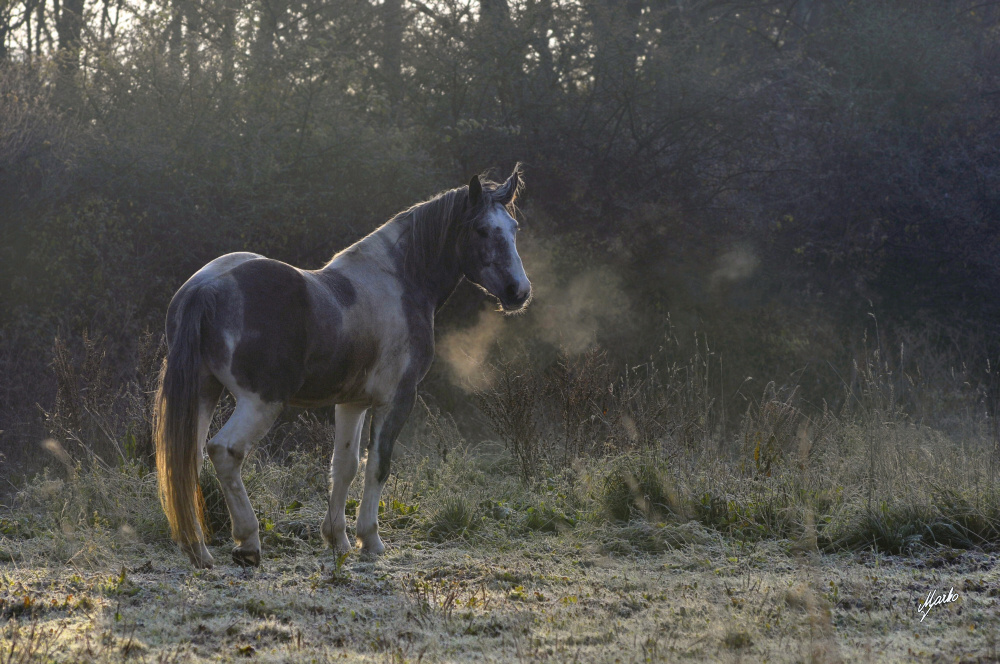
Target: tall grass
[
  {"x": 877, "y": 470},
  {"x": 636, "y": 460}
]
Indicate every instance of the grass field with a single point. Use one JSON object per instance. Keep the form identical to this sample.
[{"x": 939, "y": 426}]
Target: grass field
[
  {"x": 480, "y": 567},
  {"x": 536, "y": 598},
  {"x": 637, "y": 535}
]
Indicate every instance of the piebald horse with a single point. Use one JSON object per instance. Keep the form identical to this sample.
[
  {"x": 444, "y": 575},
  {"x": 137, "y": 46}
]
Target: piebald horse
[{"x": 358, "y": 333}]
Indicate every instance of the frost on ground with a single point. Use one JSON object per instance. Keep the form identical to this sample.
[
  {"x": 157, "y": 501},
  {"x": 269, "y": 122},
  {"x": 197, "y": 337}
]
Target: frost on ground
[
  {"x": 798, "y": 540},
  {"x": 541, "y": 597}
]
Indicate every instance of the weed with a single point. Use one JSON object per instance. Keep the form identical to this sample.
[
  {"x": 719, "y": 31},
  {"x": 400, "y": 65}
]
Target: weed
[
  {"x": 454, "y": 518},
  {"x": 636, "y": 486},
  {"x": 737, "y": 640},
  {"x": 510, "y": 404},
  {"x": 31, "y": 643},
  {"x": 769, "y": 428}
]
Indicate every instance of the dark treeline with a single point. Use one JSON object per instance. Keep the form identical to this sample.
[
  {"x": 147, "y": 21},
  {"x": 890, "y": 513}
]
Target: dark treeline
[{"x": 766, "y": 172}]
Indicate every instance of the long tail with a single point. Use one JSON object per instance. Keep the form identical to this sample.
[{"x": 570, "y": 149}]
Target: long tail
[{"x": 176, "y": 424}]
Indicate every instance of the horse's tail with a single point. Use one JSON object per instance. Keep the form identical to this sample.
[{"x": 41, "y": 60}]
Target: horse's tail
[{"x": 176, "y": 421}]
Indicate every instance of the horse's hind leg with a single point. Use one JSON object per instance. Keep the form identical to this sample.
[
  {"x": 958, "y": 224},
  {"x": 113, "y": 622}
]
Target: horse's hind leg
[
  {"x": 249, "y": 422},
  {"x": 208, "y": 399},
  {"x": 350, "y": 421}
]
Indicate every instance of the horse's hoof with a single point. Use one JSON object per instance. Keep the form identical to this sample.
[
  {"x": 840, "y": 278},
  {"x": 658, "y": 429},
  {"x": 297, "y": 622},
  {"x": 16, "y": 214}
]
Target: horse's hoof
[
  {"x": 339, "y": 543},
  {"x": 199, "y": 556},
  {"x": 249, "y": 558},
  {"x": 202, "y": 563},
  {"x": 372, "y": 547}
]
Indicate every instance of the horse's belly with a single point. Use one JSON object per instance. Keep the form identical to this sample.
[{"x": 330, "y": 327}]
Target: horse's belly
[
  {"x": 337, "y": 377},
  {"x": 310, "y": 397}
]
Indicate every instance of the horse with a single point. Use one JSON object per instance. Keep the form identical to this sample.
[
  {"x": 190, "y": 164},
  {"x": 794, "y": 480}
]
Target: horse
[{"x": 357, "y": 333}]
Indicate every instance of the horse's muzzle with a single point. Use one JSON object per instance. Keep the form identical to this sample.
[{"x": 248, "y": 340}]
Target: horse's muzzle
[{"x": 515, "y": 296}]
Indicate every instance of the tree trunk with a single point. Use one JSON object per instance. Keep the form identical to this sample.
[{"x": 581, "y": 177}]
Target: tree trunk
[
  {"x": 69, "y": 27},
  {"x": 495, "y": 34},
  {"x": 227, "y": 42},
  {"x": 615, "y": 23},
  {"x": 392, "y": 51},
  {"x": 174, "y": 37},
  {"x": 540, "y": 17},
  {"x": 270, "y": 13},
  {"x": 192, "y": 21}
]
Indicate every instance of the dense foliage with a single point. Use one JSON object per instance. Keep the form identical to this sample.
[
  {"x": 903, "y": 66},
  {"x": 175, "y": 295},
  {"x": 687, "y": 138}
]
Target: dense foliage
[{"x": 767, "y": 172}]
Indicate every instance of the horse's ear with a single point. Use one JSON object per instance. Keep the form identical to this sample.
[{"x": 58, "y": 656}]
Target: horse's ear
[
  {"x": 509, "y": 190},
  {"x": 475, "y": 191}
]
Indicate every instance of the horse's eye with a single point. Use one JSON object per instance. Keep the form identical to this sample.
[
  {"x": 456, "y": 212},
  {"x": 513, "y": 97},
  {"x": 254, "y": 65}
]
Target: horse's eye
[{"x": 483, "y": 232}]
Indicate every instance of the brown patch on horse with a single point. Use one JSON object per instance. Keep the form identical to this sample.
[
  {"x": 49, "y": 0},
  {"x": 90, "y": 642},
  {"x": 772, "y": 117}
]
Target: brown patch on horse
[
  {"x": 268, "y": 359},
  {"x": 340, "y": 285}
]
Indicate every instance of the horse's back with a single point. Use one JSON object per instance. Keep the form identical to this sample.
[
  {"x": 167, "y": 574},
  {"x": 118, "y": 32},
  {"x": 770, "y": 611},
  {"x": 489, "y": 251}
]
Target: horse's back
[{"x": 218, "y": 268}]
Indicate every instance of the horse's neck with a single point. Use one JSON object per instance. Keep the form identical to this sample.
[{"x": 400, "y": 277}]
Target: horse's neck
[{"x": 387, "y": 248}]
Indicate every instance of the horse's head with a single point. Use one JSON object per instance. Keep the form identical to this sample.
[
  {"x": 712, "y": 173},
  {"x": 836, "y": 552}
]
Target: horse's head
[{"x": 488, "y": 256}]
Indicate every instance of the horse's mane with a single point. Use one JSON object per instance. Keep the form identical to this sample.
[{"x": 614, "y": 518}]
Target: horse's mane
[{"x": 430, "y": 224}]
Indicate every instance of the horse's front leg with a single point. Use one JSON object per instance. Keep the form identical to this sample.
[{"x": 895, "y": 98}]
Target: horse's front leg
[
  {"x": 387, "y": 422},
  {"x": 350, "y": 420}
]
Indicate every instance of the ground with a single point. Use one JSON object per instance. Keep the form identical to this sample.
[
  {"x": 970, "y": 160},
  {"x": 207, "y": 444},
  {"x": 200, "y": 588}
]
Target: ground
[{"x": 546, "y": 597}]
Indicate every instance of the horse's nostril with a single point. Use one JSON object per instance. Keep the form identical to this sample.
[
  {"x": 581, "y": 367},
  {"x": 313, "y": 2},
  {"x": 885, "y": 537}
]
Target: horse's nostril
[{"x": 511, "y": 291}]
